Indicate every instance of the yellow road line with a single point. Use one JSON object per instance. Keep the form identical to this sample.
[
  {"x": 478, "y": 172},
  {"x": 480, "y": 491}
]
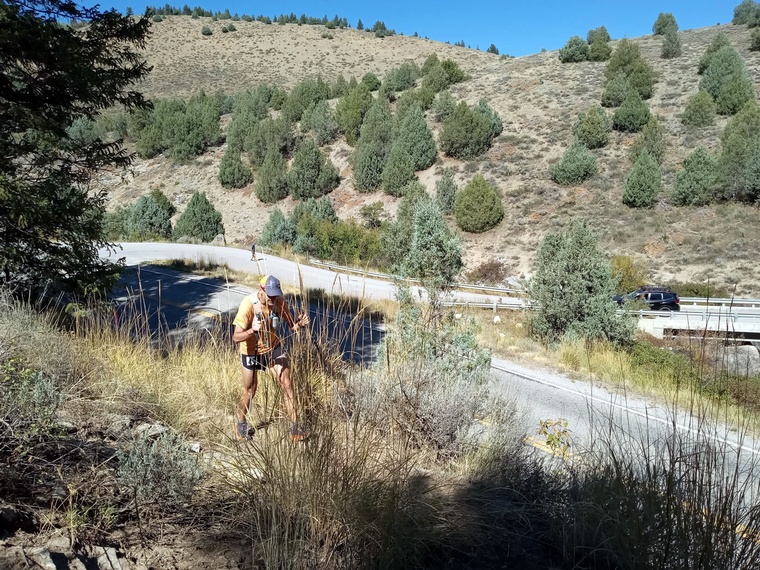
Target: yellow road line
[{"x": 541, "y": 445}]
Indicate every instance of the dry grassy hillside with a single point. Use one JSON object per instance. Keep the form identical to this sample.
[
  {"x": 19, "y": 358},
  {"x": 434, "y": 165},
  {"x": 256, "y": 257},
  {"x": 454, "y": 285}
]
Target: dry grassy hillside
[{"x": 538, "y": 99}]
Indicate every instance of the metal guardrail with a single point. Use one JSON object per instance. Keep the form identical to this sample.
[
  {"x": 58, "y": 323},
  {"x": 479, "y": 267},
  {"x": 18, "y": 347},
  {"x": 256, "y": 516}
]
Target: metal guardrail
[
  {"x": 719, "y": 302},
  {"x": 692, "y": 301},
  {"x": 389, "y": 277},
  {"x": 703, "y": 316}
]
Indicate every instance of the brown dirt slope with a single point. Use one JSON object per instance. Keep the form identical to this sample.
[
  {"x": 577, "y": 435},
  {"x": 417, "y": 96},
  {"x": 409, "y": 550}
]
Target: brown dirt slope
[{"x": 538, "y": 99}]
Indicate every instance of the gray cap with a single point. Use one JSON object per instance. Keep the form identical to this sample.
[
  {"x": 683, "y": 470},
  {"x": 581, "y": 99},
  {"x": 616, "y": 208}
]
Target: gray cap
[{"x": 272, "y": 286}]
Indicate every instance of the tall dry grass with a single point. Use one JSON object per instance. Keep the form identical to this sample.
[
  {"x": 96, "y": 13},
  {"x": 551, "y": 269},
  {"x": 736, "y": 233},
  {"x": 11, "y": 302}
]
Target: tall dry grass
[{"x": 376, "y": 486}]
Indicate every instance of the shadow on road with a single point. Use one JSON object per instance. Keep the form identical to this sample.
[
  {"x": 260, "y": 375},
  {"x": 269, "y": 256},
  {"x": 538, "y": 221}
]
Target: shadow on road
[{"x": 167, "y": 305}]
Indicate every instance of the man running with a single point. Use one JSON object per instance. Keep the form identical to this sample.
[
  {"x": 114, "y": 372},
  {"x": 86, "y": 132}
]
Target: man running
[{"x": 257, "y": 333}]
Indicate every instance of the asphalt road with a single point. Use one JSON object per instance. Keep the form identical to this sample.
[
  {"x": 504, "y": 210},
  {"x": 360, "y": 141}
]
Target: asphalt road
[{"x": 591, "y": 409}]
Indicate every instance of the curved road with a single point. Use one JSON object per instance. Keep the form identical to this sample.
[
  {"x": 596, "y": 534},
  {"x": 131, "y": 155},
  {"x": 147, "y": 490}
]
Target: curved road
[{"x": 589, "y": 407}]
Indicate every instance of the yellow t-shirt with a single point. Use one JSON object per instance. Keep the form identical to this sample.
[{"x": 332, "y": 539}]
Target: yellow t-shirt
[{"x": 267, "y": 338}]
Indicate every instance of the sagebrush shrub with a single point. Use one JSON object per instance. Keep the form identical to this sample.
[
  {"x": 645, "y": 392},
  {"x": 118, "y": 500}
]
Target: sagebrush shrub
[
  {"x": 592, "y": 129},
  {"x": 700, "y": 110},
  {"x": 576, "y": 165},
  {"x": 206, "y": 31},
  {"x": 161, "y": 469},
  {"x": 643, "y": 182},
  {"x": 576, "y": 49},
  {"x": 478, "y": 206},
  {"x": 695, "y": 185}
]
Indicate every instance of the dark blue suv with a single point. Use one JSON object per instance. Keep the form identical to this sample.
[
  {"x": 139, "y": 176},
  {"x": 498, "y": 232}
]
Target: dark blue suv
[{"x": 658, "y": 298}]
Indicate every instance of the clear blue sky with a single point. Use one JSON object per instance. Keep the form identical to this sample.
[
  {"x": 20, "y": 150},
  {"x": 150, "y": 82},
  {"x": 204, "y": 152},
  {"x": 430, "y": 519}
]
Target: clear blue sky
[{"x": 516, "y": 27}]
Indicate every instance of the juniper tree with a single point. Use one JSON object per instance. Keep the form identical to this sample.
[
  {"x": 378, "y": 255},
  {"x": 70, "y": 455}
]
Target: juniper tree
[
  {"x": 435, "y": 255},
  {"x": 576, "y": 165},
  {"x": 397, "y": 235},
  {"x": 312, "y": 174},
  {"x": 51, "y": 213},
  {"x": 445, "y": 192},
  {"x": 369, "y": 162},
  {"x": 443, "y": 105},
  {"x": 398, "y": 171},
  {"x": 719, "y": 41},
  {"x": 671, "y": 45},
  {"x": 200, "y": 220},
  {"x": 320, "y": 119},
  {"x": 416, "y": 139},
  {"x": 665, "y": 21},
  {"x": 739, "y": 142},
  {"x": 272, "y": 180},
  {"x": 592, "y": 129},
  {"x": 700, "y": 110},
  {"x": 632, "y": 114},
  {"x": 599, "y": 50},
  {"x": 696, "y": 184},
  {"x": 643, "y": 182},
  {"x": 575, "y": 50},
  {"x": 232, "y": 172},
  {"x": 278, "y": 230},
  {"x": 478, "y": 206},
  {"x": 598, "y": 34},
  {"x": 147, "y": 219},
  {"x": 573, "y": 290},
  {"x": 466, "y": 133},
  {"x": 651, "y": 139},
  {"x": 616, "y": 90},
  {"x": 163, "y": 201},
  {"x": 350, "y": 111},
  {"x": 727, "y": 81},
  {"x": 627, "y": 58}
]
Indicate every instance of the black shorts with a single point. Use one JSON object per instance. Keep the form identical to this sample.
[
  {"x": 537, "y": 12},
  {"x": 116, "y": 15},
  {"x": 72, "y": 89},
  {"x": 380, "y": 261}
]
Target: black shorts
[{"x": 263, "y": 361}]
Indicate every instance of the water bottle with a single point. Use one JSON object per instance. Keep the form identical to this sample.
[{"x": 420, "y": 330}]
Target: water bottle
[{"x": 275, "y": 321}]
